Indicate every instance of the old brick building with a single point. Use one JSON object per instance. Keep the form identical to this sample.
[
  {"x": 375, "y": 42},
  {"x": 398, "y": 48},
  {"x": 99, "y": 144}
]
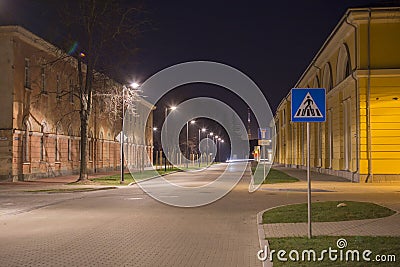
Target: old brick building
[{"x": 39, "y": 122}]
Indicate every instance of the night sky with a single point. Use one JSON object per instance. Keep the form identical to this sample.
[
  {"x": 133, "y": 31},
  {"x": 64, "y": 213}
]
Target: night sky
[{"x": 271, "y": 41}]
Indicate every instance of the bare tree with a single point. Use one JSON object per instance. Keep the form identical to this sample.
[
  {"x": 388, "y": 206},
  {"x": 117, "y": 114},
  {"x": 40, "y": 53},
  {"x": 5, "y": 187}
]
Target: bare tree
[{"x": 101, "y": 27}]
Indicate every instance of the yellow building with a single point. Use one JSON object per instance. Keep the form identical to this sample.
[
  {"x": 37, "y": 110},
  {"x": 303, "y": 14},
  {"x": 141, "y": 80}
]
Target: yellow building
[
  {"x": 39, "y": 119},
  {"x": 359, "y": 66}
]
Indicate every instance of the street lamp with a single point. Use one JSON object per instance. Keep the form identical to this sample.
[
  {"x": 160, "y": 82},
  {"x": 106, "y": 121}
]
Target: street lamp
[
  {"x": 211, "y": 134},
  {"x": 218, "y": 146},
  {"x": 200, "y": 130},
  {"x": 215, "y": 139},
  {"x": 187, "y": 141},
  {"x": 133, "y": 85},
  {"x": 172, "y": 108},
  {"x": 122, "y": 136},
  {"x": 156, "y": 148}
]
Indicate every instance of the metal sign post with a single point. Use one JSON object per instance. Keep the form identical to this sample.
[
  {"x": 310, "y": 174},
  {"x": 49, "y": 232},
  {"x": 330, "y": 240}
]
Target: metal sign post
[
  {"x": 308, "y": 105},
  {"x": 308, "y": 182},
  {"x": 264, "y": 139}
]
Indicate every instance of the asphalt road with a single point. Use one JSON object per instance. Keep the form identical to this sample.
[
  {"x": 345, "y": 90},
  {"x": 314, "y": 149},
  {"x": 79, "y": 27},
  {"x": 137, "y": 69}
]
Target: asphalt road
[{"x": 126, "y": 227}]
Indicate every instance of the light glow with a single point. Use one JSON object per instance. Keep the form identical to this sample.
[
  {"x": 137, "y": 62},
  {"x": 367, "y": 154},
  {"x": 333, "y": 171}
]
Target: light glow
[{"x": 135, "y": 85}]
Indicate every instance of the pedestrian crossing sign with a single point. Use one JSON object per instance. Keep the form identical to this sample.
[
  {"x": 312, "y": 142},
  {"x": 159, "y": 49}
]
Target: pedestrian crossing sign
[{"x": 308, "y": 105}]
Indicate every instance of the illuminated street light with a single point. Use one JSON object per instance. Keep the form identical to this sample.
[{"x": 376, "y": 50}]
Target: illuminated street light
[{"x": 135, "y": 85}]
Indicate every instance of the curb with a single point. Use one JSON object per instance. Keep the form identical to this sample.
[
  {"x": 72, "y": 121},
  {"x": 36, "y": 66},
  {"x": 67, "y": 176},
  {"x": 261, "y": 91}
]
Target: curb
[
  {"x": 165, "y": 174},
  {"x": 261, "y": 233},
  {"x": 264, "y": 244}
]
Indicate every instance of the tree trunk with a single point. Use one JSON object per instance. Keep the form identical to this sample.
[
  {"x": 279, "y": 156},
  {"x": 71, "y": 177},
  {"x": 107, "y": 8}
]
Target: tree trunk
[
  {"x": 85, "y": 95},
  {"x": 83, "y": 173}
]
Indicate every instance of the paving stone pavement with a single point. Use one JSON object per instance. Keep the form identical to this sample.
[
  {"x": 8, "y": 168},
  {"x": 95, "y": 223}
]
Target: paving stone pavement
[{"x": 126, "y": 227}]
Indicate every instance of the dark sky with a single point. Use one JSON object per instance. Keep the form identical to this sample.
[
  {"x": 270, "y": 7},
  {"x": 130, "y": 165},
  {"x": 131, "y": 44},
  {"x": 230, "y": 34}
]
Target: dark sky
[{"x": 271, "y": 41}]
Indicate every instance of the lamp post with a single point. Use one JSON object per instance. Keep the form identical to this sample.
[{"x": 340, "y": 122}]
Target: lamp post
[
  {"x": 211, "y": 134},
  {"x": 187, "y": 142},
  {"x": 172, "y": 108},
  {"x": 133, "y": 85},
  {"x": 156, "y": 157},
  {"x": 200, "y": 130},
  {"x": 222, "y": 141},
  {"x": 122, "y": 137},
  {"x": 218, "y": 146}
]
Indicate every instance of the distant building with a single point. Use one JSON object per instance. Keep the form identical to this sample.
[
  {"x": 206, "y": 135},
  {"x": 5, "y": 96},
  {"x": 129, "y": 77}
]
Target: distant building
[
  {"x": 39, "y": 125},
  {"x": 359, "y": 65}
]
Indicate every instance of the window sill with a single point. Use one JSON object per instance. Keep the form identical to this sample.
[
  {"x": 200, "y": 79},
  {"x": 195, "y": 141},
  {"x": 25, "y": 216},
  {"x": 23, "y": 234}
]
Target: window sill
[{"x": 26, "y": 163}]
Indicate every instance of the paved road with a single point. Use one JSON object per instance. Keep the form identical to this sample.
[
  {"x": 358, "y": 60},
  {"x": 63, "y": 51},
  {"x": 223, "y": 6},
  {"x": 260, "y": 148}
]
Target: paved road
[{"x": 126, "y": 227}]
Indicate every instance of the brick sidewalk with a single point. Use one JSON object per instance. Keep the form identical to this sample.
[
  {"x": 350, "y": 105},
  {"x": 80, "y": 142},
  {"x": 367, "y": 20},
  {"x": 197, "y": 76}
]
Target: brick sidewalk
[
  {"x": 49, "y": 183},
  {"x": 370, "y": 227},
  {"x": 333, "y": 184}
]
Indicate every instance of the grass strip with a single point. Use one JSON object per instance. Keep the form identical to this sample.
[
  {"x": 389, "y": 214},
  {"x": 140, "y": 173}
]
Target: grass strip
[
  {"x": 128, "y": 178},
  {"x": 326, "y": 212},
  {"x": 383, "y": 246},
  {"x": 69, "y": 190}
]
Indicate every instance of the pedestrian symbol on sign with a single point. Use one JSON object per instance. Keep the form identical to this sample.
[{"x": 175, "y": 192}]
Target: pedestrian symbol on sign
[{"x": 308, "y": 108}]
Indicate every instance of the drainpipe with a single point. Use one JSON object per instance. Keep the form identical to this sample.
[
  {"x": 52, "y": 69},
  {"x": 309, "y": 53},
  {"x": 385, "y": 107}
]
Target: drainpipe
[
  {"x": 369, "y": 153},
  {"x": 353, "y": 75},
  {"x": 319, "y": 165}
]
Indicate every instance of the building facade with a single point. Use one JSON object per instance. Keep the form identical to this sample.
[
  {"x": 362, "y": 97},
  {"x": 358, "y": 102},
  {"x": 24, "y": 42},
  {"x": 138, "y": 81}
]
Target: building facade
[
  {"x": 39, "y": 115},
  {"x": 359, "y": 66}
]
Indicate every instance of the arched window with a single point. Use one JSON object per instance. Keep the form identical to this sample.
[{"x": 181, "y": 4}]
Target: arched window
[
  {"x": 25, "y": 142},
  {"x": 107, "y": 147},
  {"x": 343, "y": 64},
  {"x": 57, "y": 149},
  {"x": 316, "y": 83},
  {"x": 90, "y": 146},
  {"x": 327, "y": 77},
  {"x": 43, "y": 130},
  {"x": 70, "y": 143},
  {"x": 101, "y": 139}
]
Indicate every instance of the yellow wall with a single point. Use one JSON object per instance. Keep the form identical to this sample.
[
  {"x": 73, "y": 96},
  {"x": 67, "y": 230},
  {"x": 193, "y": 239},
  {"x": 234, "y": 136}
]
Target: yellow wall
[
  {"x": 347, "y": 103},
  {"x": 385, "y": 125}
]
